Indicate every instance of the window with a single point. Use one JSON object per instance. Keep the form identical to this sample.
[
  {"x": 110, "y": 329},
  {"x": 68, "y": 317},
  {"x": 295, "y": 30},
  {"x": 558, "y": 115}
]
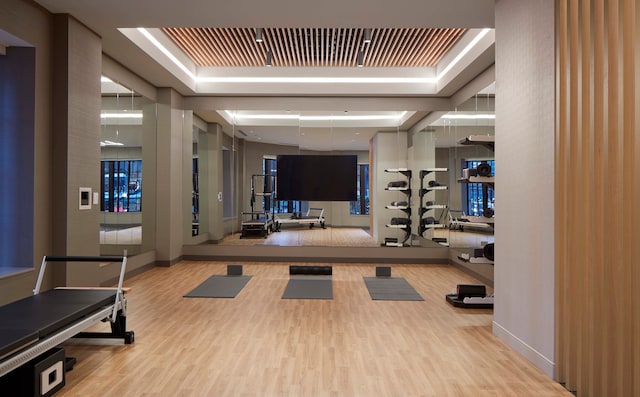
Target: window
[
  {"x": 361, "y": 206},
  {"x": 270, "y": 203},
  {"x": 121, "y": 186},
  {"x": 476, "y": 193}
]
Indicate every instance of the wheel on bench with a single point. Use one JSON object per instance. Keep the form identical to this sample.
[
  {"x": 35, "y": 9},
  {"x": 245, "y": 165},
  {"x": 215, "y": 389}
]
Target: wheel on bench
[{"x": 129, "y": 337}]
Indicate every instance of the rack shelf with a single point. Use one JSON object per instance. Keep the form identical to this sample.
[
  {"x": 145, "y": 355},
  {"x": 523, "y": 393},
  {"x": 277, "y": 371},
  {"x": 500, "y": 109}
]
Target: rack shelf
[
  {"x": 406, "y": 208},
  {"x": 485, "y": 180},
  {"x": 397, "y": 207},
  {"x": 488, "y": 141},
  {"x": 392, "y": 226},
  {"x": 425, "y": 209}
]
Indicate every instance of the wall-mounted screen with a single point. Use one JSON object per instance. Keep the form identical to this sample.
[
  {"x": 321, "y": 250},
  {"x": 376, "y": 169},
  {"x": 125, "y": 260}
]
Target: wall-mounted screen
[{"x": 317, "y": 177}]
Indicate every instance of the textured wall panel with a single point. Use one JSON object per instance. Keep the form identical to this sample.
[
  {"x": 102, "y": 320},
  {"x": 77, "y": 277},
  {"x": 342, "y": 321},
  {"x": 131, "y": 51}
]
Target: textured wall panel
[{"x": 597, "y": 183}]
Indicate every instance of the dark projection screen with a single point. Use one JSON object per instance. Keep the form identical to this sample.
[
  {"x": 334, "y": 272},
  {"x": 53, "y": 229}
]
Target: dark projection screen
[{"x": 317, "y": 178}]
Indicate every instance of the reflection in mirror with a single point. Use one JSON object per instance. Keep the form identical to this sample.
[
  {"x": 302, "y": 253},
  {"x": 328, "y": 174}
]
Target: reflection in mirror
[
  {"x": 429, "y": 161},
  {"x": 197, "y": 196},
  {"x": 394, "y": 152},
  {"x": 265, "y": 135},
  {"x": 431, "y": 189},
  {"x": 121, "y": 185},
  {"x": 229, "y": 180},
  {"x": 467, "y": 143}
]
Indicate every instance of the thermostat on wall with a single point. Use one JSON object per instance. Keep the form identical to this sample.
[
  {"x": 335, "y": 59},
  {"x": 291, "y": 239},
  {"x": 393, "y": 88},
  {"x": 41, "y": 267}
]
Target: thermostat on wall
[{"x": 85, "y": 198}]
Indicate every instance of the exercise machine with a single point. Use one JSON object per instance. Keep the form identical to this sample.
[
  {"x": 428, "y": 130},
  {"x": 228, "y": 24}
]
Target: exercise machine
[
  {"x": 459, "y": 221},
  {"x": 32, "y": 329},
  {"x": 471, "y": 296},
  {"x": 259, "y": 222},
  {"x": 311, "y": 217}
]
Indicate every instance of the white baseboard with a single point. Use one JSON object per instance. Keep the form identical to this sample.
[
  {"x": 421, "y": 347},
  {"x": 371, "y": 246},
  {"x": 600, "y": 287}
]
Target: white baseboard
[{"x": 538, "y": 359}]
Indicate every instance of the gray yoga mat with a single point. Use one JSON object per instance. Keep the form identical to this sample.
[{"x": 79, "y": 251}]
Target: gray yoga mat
[
  {"x": 219, "y": 287},
  {"x": 391, "y": 289},
  {"x": 309, "y": 287}
]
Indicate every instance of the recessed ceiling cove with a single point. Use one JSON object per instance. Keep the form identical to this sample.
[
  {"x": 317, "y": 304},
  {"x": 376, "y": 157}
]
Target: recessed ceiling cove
[{"x": 315, "y": 47}]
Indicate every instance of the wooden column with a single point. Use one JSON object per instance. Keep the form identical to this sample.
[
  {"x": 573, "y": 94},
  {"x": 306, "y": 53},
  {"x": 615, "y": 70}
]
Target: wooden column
[{"x": 597, "y": 191}]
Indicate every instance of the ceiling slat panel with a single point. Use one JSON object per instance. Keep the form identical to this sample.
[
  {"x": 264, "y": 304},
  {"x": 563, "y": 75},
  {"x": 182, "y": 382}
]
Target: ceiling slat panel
[
  {"x": 248, "y": 38},
  {"x": 377, "y": 42},
  {"x": 435, "y": 48},
  {"x": 211, "y": 42},
  {"x": 349, "y": 55},
  {"x": 183, "y": 43},
  {"x": 281, "y": 52},
  {"x": 340, "y": 47},
  {"x": 407, "y": 43},
  {"x": 296, "y": 49},
  {"x": 417, "y": 38},
  {"x": 393, "y": 46},
  {"x": 323, "y": 47},
  {"x": 288, "y": 45},
  {"x": 444, "y": 46},
  {"x": 384, "y": 50},
  {"x": 423, "y": 56},
  {"x": 438, "y": 48}
]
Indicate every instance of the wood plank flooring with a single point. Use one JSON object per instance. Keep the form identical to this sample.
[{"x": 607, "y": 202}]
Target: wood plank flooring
[
  {"x": 258, "y": 344},
  {"x": 302, "y": 236}
]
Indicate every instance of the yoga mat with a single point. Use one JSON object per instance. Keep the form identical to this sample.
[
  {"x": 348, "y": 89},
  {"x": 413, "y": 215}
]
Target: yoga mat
[
  {"x": 219, "y": 287},
  {"x": 391, "y": 289},
  {"x": 309, "y": 287}
]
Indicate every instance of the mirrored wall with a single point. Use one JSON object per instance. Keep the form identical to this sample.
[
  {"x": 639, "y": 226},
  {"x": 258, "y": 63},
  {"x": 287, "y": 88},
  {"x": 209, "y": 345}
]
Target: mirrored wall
[
  {"x": 268, "y": 206},
  {"x": 128, "y": 125},
  {"x": 465, "y": 141},
  {"x": 408, "y": 188}
]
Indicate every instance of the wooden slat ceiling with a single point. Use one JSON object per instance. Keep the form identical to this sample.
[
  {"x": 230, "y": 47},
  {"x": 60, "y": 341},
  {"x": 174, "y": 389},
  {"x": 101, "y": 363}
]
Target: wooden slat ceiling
[{"x": 318, "y": 47}]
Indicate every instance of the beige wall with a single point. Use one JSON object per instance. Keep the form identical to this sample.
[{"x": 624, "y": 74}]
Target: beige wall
[
  {"x": 170, "y": 197},
  {"x": 525, "y": 239}
]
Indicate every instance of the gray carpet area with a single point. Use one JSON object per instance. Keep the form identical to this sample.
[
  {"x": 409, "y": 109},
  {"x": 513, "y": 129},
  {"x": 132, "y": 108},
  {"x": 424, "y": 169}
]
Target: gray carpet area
[
  {"x": 219, "y": 287},
  {"x": 309, "y": 287},
  {"x": 391, "y": 289}
]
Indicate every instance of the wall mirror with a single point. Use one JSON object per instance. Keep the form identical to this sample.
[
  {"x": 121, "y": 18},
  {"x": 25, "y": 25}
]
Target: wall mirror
[
  {"x": 424, "y": 212},
  {"x": 265, "y": 217},
  {"x": 128, "y": 125},
  {"x": 466, "y": 148}
]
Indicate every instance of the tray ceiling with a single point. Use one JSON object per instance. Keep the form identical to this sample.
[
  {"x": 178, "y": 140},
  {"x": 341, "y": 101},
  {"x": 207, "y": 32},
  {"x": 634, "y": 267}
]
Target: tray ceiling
[{"x": 315, "y": 47}]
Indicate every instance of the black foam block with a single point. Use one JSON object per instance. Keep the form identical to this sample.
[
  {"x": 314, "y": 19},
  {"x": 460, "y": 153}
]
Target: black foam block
[
  {"x": 310, "y": 270},
  {"x": 383, "y": 271},
  {"x": 234, "y": 270}
]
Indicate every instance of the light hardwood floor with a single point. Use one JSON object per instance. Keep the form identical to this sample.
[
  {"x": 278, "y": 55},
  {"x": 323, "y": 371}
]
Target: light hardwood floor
[
  {"x": 291, "y": 236},
  {"x": 258, "y": 344}
]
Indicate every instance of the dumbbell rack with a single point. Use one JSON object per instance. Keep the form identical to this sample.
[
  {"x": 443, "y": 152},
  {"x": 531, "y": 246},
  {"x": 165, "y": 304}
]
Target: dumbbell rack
[
  {"x": 425, "y": 209},
  {"x": 395, "y": 242}
]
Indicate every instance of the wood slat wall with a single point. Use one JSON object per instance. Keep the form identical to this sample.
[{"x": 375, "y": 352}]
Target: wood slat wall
[
  {"x": 597, "y": 197},
  {"x": 316, "y": 47}
]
